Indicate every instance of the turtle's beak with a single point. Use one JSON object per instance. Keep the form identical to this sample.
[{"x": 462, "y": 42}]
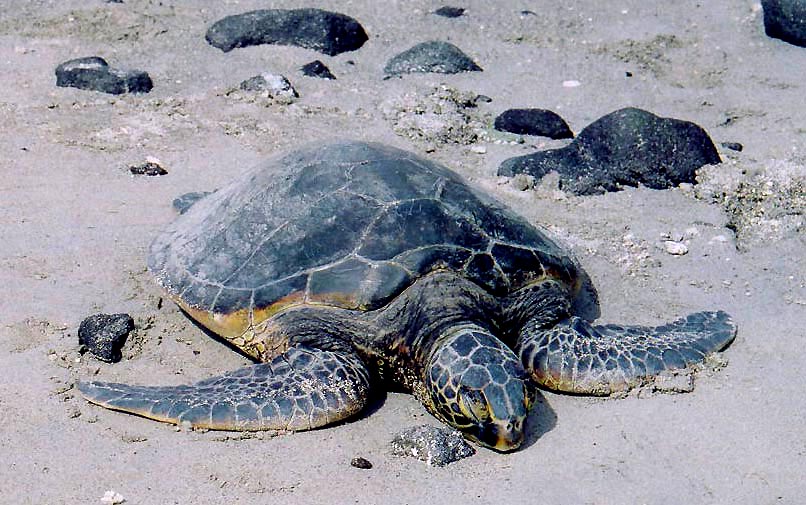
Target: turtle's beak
[
  {"x": 508, "y": 439},
  {"x": 503, "y": 436}
]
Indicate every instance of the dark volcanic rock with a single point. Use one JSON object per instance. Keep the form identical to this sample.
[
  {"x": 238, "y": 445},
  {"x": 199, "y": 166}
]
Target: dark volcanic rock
[
  {"x": 432, "y": 56},
  {"x": 182, "y": 203},
  {"x": 449, "y": 12},
  {"x": 786, "y": 20},
  {"x": 330, "y": 33},
  {"x": 733, "y": 146},
  {"x": 150, "y": 168},
  {"x": 533, "y": 122},
  {"x": 94, "y": 73},
  {"x": 362, "y": 463},
  {"x": 436, "y": 446},
  {"x": 104, "y": 335},
  {"x": 627, "y": 147},
  {"x": 317, "y": 69}
]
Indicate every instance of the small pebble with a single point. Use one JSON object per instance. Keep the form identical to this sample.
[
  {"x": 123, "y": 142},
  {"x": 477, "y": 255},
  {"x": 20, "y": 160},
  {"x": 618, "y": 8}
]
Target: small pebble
[
  {"x": 571, "y": 84},
  {"x": 317, "y": 69},
  {"x": 150, "y": 168},
  {"x": 274, "y": 85},
  {"x": 675, "y": 248},
  {"x": 360, "y": 462},
  {"x": 733, "y": 146},
  {"x": 479, "y": 149},
  {"x": 449, "y": 12}
]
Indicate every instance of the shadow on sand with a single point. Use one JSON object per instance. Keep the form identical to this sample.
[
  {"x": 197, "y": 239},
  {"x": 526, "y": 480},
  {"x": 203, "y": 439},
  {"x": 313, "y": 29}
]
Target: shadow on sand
[{"x": 541, "y": 420}]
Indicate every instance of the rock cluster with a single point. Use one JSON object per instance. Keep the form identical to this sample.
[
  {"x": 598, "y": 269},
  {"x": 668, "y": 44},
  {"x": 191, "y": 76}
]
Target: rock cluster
[{"x": 628, "y": 147}]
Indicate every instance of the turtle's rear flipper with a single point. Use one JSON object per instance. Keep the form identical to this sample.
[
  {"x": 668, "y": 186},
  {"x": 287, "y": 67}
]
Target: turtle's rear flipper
[
  {"x": 301, "y": 389},
  {"x": 575, "y": 357}
]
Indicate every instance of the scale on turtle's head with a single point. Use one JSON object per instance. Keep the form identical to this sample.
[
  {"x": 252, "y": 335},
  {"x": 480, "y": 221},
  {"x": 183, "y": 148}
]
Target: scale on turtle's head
[{"x": 327, "y": 261}]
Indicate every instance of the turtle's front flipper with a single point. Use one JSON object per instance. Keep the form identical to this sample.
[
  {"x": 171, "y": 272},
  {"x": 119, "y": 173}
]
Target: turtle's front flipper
[
  {"x": 575, "y": 357},
  {"x": 301, "y": 389}
]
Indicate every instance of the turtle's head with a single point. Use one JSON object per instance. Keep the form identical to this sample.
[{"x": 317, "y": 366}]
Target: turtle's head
[{"x": 477, "y": 385}]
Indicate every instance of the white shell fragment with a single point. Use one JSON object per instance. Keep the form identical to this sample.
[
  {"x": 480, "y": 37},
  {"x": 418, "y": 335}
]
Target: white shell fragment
[
  {"x": 112, "y": 498},
  {"x": 675, "y": 248}
]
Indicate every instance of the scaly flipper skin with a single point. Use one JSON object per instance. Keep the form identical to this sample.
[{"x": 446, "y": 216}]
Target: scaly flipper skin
[
  {"x": 575, "y": 357},
  {"x": 303, "y": 388}
]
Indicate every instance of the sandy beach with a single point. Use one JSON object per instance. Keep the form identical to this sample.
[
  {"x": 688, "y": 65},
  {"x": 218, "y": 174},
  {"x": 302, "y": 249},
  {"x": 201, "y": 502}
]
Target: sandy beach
[{"x": 75, "y": 226}]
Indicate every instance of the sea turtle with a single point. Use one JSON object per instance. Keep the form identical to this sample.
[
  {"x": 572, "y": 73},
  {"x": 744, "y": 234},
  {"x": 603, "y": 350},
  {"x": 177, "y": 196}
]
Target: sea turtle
[{"x": 353, "y": 266}]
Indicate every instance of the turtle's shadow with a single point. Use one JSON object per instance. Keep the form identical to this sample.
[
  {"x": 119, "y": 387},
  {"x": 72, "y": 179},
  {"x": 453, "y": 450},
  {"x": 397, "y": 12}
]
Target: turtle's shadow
[
  {"x": 377, "y": 398},
  {"x": 541, "y": 420}
]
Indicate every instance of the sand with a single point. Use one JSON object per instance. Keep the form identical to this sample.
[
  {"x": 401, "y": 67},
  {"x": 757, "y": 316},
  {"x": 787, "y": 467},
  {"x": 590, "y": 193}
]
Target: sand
[{"x": 75, "y": 227}]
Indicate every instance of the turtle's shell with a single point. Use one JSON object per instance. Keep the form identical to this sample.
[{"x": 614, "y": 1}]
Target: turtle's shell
[{"x": 347, "y": 225}]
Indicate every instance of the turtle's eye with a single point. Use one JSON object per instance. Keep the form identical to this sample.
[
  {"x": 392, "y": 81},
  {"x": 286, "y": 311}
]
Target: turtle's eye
[{"x": 474, "y": 404}]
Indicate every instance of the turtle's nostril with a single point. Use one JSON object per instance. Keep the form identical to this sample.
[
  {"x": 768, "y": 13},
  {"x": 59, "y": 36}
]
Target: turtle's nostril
[{"x": 508, "y": 436}]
